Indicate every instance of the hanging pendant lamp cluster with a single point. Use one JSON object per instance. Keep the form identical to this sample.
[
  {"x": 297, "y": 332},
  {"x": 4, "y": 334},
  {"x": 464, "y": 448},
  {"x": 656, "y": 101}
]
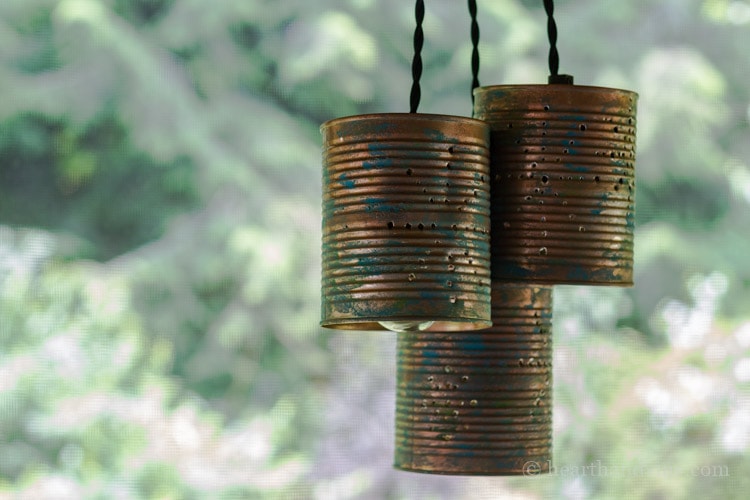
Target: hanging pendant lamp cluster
[{"x": 451, "y": 231}]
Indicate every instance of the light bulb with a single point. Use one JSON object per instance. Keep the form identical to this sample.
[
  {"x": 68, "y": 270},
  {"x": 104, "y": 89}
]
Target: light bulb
[{"x": 406, "y": 326}]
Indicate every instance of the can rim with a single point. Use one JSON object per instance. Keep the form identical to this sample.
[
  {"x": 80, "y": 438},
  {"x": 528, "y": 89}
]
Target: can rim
[
  {"x": 442, "y": 325},
  {"x": 403, "y": 117},
  {"x": 552, "y": 86}
]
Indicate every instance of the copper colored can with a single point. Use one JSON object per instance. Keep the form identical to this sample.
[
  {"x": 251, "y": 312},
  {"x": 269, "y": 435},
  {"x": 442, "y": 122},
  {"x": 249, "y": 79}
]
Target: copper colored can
[
  {"x": 406, "y": 221},
  {"x": 479, "y": 403},
  {"x": 562, "y": 182}
]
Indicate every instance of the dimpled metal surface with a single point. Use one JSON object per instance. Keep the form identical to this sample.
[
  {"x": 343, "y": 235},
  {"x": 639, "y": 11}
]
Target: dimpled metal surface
[
  {"x": 562, "y": 182},
  {"x": 405, "y": 222},
  {"x": 479, "y": 403}
]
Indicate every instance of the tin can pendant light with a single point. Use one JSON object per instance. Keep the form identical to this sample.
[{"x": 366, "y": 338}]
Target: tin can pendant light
[
  {"x": 562, "y": 179},
  {"x": 406, "y": 223},
  {"x": 406, "y": 219},
  {"x": 479, "y": 403}
]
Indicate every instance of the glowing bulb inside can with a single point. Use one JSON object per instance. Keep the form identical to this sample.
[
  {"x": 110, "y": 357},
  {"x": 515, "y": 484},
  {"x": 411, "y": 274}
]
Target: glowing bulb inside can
[{"x": 406, "y": 326}]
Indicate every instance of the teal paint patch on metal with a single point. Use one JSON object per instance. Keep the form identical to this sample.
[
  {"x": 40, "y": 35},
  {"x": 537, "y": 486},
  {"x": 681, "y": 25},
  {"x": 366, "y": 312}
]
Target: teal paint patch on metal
[
  {"x": 471, "y": 342},
  {"x": 583, "y": 119},
  {"x": 377, "y": 163},
  {"x": 371, "y": 202},
  {"x": 579, "y": 273},
  {"x": 577, "y": 168},
  {"x": 621, "y": 162},
  {"x": 510, "y": 270},
  {"x": 630, "y": 220},
  {"x": 379, "y": 148},
  {"x": 583, "y": 274},
  {"x": 438, "y": 135},
  {"x": 383, "y": 128},
  {"x": 347, "y": 183}
]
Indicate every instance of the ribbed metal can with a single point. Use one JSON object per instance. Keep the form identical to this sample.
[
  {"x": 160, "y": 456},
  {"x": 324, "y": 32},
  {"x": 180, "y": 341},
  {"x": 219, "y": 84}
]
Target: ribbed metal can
[
  {"x": 562, "y": 182},
  {"x": 406, "y": 222},
  {"x": 479, "y": 403}
]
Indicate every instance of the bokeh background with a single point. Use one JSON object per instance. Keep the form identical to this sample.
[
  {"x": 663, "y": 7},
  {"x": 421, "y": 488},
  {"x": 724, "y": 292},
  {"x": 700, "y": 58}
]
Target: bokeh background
[{"x": 159, "y": 249}]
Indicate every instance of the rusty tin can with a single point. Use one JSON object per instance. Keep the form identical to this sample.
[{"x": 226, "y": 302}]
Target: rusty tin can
[
  {"x": 479, "y": 403},
  {"x": 406, "y": 222},
  {"x": 562, "y": 182}
]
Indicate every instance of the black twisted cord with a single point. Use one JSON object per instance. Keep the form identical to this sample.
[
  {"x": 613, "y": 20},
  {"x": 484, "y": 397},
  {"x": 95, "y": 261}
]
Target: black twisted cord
[
  {"x": 416, "y": 63},
  {"x": 554, "y": 57},
  {"x": 475, "y": 48}
]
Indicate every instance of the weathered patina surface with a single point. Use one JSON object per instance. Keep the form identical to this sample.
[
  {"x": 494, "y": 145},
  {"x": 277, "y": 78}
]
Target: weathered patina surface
[
  {"x": 562, "y": 182},
  {"x": 406, "y": 222},
  {"x": 479, "y": 403}
]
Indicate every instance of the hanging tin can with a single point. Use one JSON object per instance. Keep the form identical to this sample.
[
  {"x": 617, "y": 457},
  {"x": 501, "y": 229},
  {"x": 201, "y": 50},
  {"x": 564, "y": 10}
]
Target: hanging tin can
[
  {"x": 406, "y": 223},
  {"x": 562, "y": 182},
  {"x": 479, "y": 403}
]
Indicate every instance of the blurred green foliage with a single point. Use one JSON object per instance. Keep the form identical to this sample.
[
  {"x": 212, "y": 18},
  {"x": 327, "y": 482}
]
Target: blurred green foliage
[{"x": 159, "y": 240}]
